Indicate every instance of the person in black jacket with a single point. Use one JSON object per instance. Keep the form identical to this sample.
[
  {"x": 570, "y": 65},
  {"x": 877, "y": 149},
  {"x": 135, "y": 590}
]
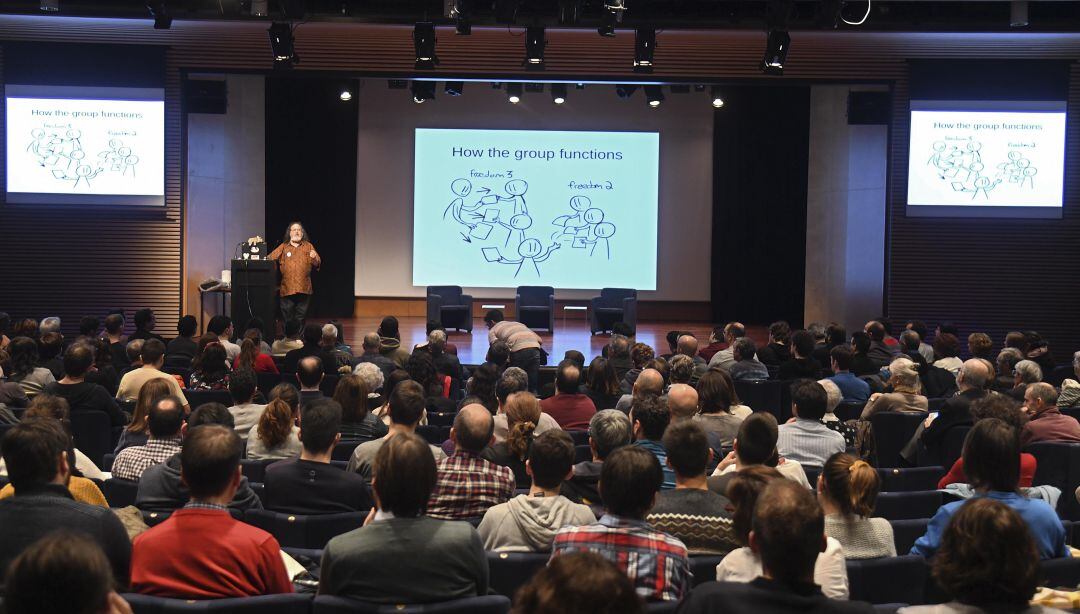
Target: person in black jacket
[
  {"x": 929, "y": 439},
  {"x": 82, "y": 395},
  {"x": 801, "y": 364},
  {"x": 777, "y": 351}
]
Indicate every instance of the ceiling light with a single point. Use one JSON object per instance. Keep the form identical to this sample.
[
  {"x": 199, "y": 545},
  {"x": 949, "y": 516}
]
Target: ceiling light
[
  {"x": 50, "y": 6},
  {"x": 654, "y": 94},
  {"x": 424, "y": 42},
  {"x": 644, "y": 47},
  {"x": 281, "y": 43},
  {"x": 613, "y": 14},
  {"x": 422, "y": 91},
  {"x": 534, "y": 46},
  {"x": 717, "y": 99},
  {"x": 345, "y": 95},
  {"x": 776, "y": 51},
  {"x": 558, "y": 93},
  {"x": 513, "y": 93},
  {"x": 454, "y": 88}
]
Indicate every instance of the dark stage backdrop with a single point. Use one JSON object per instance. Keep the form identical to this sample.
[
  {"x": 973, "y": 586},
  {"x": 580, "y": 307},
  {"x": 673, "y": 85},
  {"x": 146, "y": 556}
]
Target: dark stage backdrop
[
  {"x": 760, "y": 157},
  {"x": 311, "y": 178}
]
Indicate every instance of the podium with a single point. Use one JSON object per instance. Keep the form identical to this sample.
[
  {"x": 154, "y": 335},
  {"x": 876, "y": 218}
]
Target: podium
[{"x": 254, "y": 294}]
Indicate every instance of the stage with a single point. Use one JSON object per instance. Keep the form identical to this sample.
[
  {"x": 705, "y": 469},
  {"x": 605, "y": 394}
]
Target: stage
[{"x": 571, "y": 335}]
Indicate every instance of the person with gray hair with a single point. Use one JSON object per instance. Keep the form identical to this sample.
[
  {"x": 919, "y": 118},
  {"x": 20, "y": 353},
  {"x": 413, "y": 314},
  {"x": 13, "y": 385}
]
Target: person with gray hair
[
  {"x": 1070, "y": 388},
  {"x": 906, "y": 395},
  {"x": 1045, "y": 421},
  {"x": 445, "y": 362},
  {"x": 372, "y": 355},
  {"x": 929, "y": 439},
  {"x": 342, "y": 361},
  {"x": 1027, "y": 372},
  {"x": 618, "y": 352},
  {"x": 609, "y": 430},
  {"x": 746, "y": 367},
  {"x": 515, "y": 379},
  {"x": 1006, "y": 366},
  {"x": 725, "y": 358},
  {"x": 49, "y": 325}
]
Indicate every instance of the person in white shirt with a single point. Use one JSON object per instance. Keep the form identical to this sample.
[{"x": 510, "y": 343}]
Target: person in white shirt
[
  {"x": 755, "y": 446},
  {"x": 245, "y": 411},
  {"x": 222, "y": 326},
  {"x": 805, "y": 438},
  {"x": 725, "y": 358}
]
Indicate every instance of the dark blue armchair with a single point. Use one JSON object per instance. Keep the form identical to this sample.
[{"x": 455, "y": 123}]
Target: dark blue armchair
[
  {"x": 487, "y": 604},
  {"x": 450, "y": 307},
  {"x": 613, "y": 305},
  {"x": 535, "y": 306},
  {"x": 279, "y": 604}
]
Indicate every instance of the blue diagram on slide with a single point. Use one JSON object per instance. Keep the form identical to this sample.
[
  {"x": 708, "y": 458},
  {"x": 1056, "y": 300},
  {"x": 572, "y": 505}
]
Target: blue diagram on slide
[
  {"x": 61, "y": 153},
  {"x": 964, "y": 168},
  {"x": 499, "y": 225}
]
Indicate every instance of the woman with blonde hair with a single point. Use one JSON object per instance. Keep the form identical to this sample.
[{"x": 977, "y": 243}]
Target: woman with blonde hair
[
  {"x": 847, "y": 490},
  {"x": 906, "y": 392},
  {"x": 137, "y": 431},
  {"x": 522, "y": 415},
  {"x": 276, "y": 434}
]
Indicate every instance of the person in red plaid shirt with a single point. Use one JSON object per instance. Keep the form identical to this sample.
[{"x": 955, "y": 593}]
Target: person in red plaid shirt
[
  {"x": 655, "y": 562},
  {"x": 468, "y": 485}
]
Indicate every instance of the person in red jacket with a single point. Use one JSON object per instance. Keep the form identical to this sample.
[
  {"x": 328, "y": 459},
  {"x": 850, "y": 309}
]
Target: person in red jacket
[
  {"x": 202, "y": 552},
  {"x": 571, "y": 408}
]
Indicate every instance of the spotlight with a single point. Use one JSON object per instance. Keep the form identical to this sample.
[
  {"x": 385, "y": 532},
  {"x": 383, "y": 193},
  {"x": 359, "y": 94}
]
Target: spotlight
[
  {"x": 454, "y": 88},
  {"x": 345, "y": 95},
  {"x": 644, "y": 47},
  {"x": 534, "y": 46},
  {"x": 776, "y": 51},
  {"x": 260, "y": 8},
  {"x": 50, "y": 6},
  {"x": 281, "y": 43},
  {"x": 424, "y": 42},
  {"x": 717, "y": 99},
  {"x": 613, "y": 14},
  {"x": 461, "y": 12},
  {"x": 422, "y": 91},
  {"x": 160, "y": 12},
  {"x": 558, "y": 93},
  {"x": 654, "y": 94},
  {"x": 569, "y": 11},
  {"x": 625, "y": 91},
  {"x": 1018, "y": 13},
  {"x": 513, "y": 93}
]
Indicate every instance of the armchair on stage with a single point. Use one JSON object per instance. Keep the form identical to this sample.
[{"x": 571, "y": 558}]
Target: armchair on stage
[
  {"x": 535, "y": 306},
  {"x": 450, "y": 307},
  {"x": 613, "y": 305}
]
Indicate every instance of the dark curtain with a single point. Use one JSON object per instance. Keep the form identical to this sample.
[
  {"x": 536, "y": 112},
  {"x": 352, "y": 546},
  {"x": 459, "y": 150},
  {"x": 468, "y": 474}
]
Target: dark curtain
[
  {"x": 311, "y": 178},
  {"x": 760, "y": 154}
]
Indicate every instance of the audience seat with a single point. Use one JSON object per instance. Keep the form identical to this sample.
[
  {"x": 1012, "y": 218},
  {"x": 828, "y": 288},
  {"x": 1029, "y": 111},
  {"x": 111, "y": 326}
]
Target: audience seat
[
  {"x": 299, "y": 531},
  {"x": 907, "y": 532},
  {"x": 812, "y": 473},
  {"x": 260, "y": 491},
  {"x": 760, "y": 396},
  {"x": 441, "y": 418},
  {"x": 434, "y": 435},
  {"x": 613, "y": 305},
  {"x": 107, "y": 462},
  {"x": 661, "y": 607},
  {"x": 900, "y": 579},
  {"x": 447, "y": 305},
  {"x": 704, "y": 567},
  {"x": 1058, "y": 375},
  {"x": 849, "y": 410},
  {"x": 254, "y": 470},
  {"x": 155, "y": 518},
  {"x": 119, "y": 493},
  {"x": 935, "y": 404},
  {"x": 908, "y": 505},
  {"x": 329, "y": 384},
  {"x": 952, "y": 446},
  {"x": 488, "y": 604},
  {"x": 910, "y": 478},
  {"x": 582, "y": 454},
  {"x": 535, "y": 306},
  {"x": 581, "y": 438},
  {"x": 1058, "y": 464},
  {"x": 198, "y": 397},
  {"x": 892, "y": 431},
  {"x": 344, "y": 449},
  {"x": 279, "y": 604},
  {"x": 267, "y": 381},
  {"x": 511, "y": 570},
  {"x": 93, "y": 434},
  {"x": 1060, "y": 573}
]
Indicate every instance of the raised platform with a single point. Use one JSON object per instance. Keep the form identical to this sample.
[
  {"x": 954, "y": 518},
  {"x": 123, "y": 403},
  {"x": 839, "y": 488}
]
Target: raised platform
[{"x": 573, "y": 335}]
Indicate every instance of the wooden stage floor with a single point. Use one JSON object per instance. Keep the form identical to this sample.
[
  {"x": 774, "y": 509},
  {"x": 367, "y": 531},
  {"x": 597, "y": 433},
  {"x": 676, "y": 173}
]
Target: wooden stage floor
[{"x": 571, "y": 335}]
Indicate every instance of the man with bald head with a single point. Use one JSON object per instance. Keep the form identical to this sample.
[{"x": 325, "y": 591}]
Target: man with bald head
[
  {"x": 649, "y": 384},
  {"x": 371, "y": 354},
  {"x": 570, "y": 408},
  {"x": 468, "y": 485},
  {"x": 928, "y": 442},
  {"x": 688, "y": 346}
]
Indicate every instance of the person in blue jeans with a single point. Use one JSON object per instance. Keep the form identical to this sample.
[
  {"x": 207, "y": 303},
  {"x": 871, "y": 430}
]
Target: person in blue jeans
[{"x": 992, "y": 465}]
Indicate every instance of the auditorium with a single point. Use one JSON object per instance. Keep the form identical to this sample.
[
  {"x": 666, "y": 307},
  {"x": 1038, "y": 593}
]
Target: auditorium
[{"x": 539, "y": 306}]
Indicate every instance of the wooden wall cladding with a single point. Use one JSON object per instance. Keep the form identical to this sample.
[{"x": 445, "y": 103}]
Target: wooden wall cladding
[{"x": 981, "y": 274}]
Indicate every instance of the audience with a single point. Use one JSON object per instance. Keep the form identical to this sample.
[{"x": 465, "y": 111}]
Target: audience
[
  {"x": 36, "y": 455},
  {"x": 402, "y": 554},
  {"x": 1026, "y": 373},
  {"x": 390, "y": 341},
  {"x": 755, "y": 446},
  {"x": 1045, "y": 421},
  {"x": 777, "y": 350},
  {"x": 525, "y": 345},
  {"x": 114, "y": 334},
  {"x": 80, "y": 394},
  {"x": 650, "y": 417},
  {"x": 62, "y": 559},
  {"x": 861, "y": 363},
  {"x": 655, "y": 562},
  {"x": 50, "y": 350},
  {"x": 972, "y": 379},
  {"x": 371, "y": 353},
  {"x": 152, "y": 356},
  {"x": 947, "y": 353},
  {"x": 691, "y": 512},
  {"x": 201, "y": 551},
  {"x": 906, "y": 391},
  {"x": 609, "y": 430},
  {"x": 468, "y": 484},
  {"x": 357, "y": 422},
  {"x": 406, "y": 405},
  {"x": 251, "y": 354},
  {"x": 291, "y": 340},
  {"x": 787, "y": 545},
  {"x": 745, "y": 367},
  {"x": 275, "y": 435},
  {"x": 571, "y": 409},
  {"x": 181, "y": 351},
  {"x": 23, "y": 366},
  {"x": 721, "y": 412},
  {"x": 310, "y": 484},
  {"x": 853, "y": 389},
  {"x": 243, "y": 389},
  {"x": 717, "y": 343},
  {"x": 528, "y": 523},
  {"x": 578, "y": 583},
  {"x": 210, "y": 369},
  {"x": 1070, "y": 388},
  {"x": 164, "y": 422},
  {"x": 992, "y": 464},
  {"x": 145, "y": 321},
  {"x": 879, "y": 352},
  {"x": 1008, "y": 411},
  {"x": 801, "y": 364},
  {"x": 222, "y": 326},
  {"x": 522, "y": 412},
  {"x": 847, "y": 490},
  {"x": 688, "y": 346},
  {"x": 805, "y": 439},
  {"x": 602, "y": 385},
  {"x": 726, "y": 357},
  {"x": 510, "y": 381}
]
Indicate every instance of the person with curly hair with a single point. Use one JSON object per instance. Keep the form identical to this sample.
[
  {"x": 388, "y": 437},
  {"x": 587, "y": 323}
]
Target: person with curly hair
[
  {"x": 276, "y": 435},
  {"x": 210, "y": 370}
]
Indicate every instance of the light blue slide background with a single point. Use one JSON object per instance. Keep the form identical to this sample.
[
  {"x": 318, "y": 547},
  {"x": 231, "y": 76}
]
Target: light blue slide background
[{"x": 492, "y": 221}]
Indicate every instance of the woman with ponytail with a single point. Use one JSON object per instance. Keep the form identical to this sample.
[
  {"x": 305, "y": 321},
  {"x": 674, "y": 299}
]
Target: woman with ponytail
[
  {"x": 276, "y": 434},
  {"x": 251, "y": 355},
  {"x": 522, "y": 415},
  {"x": 848, "y": 489}
]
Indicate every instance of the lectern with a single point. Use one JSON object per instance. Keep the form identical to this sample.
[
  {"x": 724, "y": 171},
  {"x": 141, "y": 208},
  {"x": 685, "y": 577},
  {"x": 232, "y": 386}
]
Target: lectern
[{"x": 254, "y": 294}]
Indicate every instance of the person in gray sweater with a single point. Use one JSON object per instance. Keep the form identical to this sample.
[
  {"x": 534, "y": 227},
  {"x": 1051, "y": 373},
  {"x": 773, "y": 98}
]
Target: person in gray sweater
[
  {"x": 401, "y": 555},
  {"x": 528, "y": 523}
]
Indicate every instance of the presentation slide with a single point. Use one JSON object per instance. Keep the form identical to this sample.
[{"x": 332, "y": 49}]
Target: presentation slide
[
  {"x": 503, "y": 208},
  {"x": 72, "y": 145},
  {"x": 986, "y": 158}
]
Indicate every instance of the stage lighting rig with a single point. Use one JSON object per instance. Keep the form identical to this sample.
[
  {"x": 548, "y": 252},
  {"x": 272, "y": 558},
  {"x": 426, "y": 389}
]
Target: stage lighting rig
[
  {"x": 612, "y": 16},
  {"x": 625, "y": 91},
  {"x": 776, "y": 52},
  {"x": 654, "y": 94},
  {"x": 50, "y": 6},
  {"x": 345, "y": 95},
  {"x": 513, "y": 93},
  {"x": 461, "y": 12},
  {"x": 424, "y": 43},
  {"x": 558, "y": 93},
  {"x": 644, "y": 48},
  {"x": 534, "y": 47},
  {"x": 282, "y": 44},
  {"x": 569, "y": 11},
  {"x": 422, "y": 91}
]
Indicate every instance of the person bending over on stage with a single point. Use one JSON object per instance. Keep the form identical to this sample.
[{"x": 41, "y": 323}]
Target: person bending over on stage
[{"x": 296, "y": 256}]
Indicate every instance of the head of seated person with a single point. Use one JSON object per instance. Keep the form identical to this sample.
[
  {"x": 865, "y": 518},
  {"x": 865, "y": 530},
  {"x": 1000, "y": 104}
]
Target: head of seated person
[
  {"x": 68, "y": 559},
  {"x": 788, "y": 533},
  {"x": 133, "y": 350},
  {"x": 210, "y": 463},
  {"x": 640, "y": 354},
  {"x": 404, "y": 476},
  {"x": 716, "y": 392},
  {"x": 35, "y": 452},
  {"x": 568, "y": 378},
  {"x": 744, "y": 348},
  {"x": 243, "y": 386},
  {"x": 848, "y": 486},
  {"x": 833, "y": 396},
  {"x": 650, "y": 416},
  {"x": 756, "y": 441},
  {"x": 682, "y": 369},
  {"x": 312, "y": 335},
  {"x": 579, "y": 583},
  {"x": 320, "y": 429},
  {"x": 682, "y": 402},
  {"x": 649, "y": 383},
  {"x": 575, "y": 357},
  {"x": 609, "y": 430},
  {"x": 166, "y": 417},
  {"x": 309, "y": 372},
  {"x": 473, "y": 429},
  {"x": 687, "y": 345},
  {"x": 860, "y": 342},
  {"x": 619, "y": 347},
  {"x": 992, "y": 456},
  {"x": 551, "y": 461},
  {"x": 802, "y": 344},
  {"x": 688, "y": 451},
  {"x": 50, "y": 345},
  {"x": 809, "y": 401},
  {"x": 77, "y": 361},
  {"x": 209, "y": 413},
  {"x": 629, "y": 480},
  {"x": 153, "y": 353},
  {"x": 513, "y": 379},
  {"x": 406, "y": 405},
  {"x": 743, "y": 492}
]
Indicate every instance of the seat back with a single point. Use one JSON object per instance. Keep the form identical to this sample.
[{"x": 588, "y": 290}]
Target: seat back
[
  {"x": 760, "y": 396},
  {"x": 910, "y": 478},
  {"x": 329, "y": 384},
  {"x": 344, "y": 449},
  {"x": 1058, "y": 375},
  {"x": 255, "y": 470},
  {"x": 534, "y": 296},
  {"x": 953, "y": 445},
  {"x": 511, "y": 570},
  {"x": 1058, "y": 464},
  {"x": 1060, "y": 573},
  {"x": 300, "y": 531},
  {"x": 448, "y": 295},
  {"x": 613, "y": 297},
  {"x": 93, "y": 434},
  {"x": 908, "y": 505},
  {"x": 900, "y": 579},
  {"x": 892, "y": 431},
  {"x": 849, "y": 410},
  {"x": 196, "y": 398},
  {"x": 267, "y": 381},
  {"x": 907, "y": 532},
  {"x": 488, "y": 604},
  {"x": 435, "y": 435},
  {"x": 295, "y": 603},
  {"x": 580, "y": 437},
  {"x": 704, "y": 568},
  {"x": 119, "y": 493},
  {"x": 582, "y": 454},
  {"x": 812, "y": 473}
]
